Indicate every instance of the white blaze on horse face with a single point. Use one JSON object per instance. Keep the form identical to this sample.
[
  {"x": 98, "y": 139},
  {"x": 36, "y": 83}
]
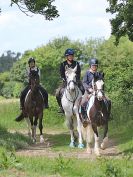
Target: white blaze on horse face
[
  {"x": 71, "y": 78},
  {"x": 99, "y": 86}
]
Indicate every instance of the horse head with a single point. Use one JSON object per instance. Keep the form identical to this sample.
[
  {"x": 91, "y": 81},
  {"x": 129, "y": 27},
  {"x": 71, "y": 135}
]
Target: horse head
[
  {"x": 34, "y": 80},
  {"x": 71, "y": 78},
  {"x": 98, "y": 84}
]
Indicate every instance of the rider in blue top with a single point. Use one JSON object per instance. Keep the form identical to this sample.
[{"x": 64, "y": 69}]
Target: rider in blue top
[{"x": 87, "y": 83}]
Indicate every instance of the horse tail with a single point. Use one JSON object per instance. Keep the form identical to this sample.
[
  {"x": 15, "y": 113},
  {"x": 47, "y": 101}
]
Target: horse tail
[{"x": 88, "y": 134}]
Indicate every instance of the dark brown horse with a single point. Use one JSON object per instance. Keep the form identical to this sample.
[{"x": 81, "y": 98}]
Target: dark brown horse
[
  {"x": 98, "y": 113},
  {"x": 34, "y": 106}
]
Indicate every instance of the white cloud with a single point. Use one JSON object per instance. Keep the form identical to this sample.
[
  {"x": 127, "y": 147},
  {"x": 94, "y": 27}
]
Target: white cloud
[{"x": 78, "y": 20}]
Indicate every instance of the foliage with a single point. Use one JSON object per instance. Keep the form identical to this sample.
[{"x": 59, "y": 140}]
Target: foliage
[
  {"x": 5, "y": 76},
  {"x": 122, "y": 23},
  {"x": 62, "y": 164},
  {"x": 117, "y": 64},
  {"x": 48, "y": 59},
  {"x": 7, "y": 59},
  {"x": 42, "y": 7},
  {"x": 7, "y": 89},
  {"x": 9, "y": 160}
]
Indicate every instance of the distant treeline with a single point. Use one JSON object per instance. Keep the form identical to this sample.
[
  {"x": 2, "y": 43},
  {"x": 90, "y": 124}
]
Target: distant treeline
[{"x": 7, "y": 59}]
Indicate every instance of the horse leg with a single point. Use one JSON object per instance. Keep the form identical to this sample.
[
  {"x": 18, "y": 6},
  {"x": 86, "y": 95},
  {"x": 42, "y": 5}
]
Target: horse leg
[
  {"x": 28, "y": 126},
  {"x": 70, "y": 126},
  {"x": 89, "y": 138},
  {"x": 79, "y": 125},
  {"x": 40, "y": 128},
  {"x": 32, "y": 128},
  {"x": 96, "y": 139},
  {"x": 105, "y": 137}
]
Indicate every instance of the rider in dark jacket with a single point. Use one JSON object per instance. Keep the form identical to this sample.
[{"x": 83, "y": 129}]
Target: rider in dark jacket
[
  {"x": 32, "y": 67},
  {"x": 71, "y": 63}
]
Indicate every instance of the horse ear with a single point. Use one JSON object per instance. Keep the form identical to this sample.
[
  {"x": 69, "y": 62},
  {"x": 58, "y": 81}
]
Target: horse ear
[{"x": 75, "y": 69}]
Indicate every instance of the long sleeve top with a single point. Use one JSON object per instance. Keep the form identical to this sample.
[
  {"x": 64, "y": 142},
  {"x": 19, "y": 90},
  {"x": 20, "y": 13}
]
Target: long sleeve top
[
  {"x": 88, "y": 77},
  {"x": 74, "y": 63}
]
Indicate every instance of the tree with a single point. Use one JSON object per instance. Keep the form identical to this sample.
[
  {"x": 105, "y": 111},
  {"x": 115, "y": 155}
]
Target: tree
[
  {"x": 122, "y": 24},
  {"x": 42, "y": 7},
  {"x": 7, "y": 60}
]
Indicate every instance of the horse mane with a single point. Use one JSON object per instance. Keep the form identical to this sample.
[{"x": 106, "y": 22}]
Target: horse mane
[
  {"x": 34, "y": 73},
  {"x": 98, "y": 76},
  {"x": 70, "y": 70}
]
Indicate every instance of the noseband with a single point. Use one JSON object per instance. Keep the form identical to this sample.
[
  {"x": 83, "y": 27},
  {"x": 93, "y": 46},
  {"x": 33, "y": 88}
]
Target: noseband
[{"x": 71, "y": 81}]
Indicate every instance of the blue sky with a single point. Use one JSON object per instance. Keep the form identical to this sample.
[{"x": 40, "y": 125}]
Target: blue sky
[{"x": 79, "y": 19}]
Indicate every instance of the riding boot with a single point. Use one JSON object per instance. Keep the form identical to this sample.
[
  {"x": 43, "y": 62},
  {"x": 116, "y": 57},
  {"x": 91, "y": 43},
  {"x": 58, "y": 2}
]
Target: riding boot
[
  {"x": 46, "y": 106},
  {"x": 81, "y": 87},
  {"x": 45, "y": 95},
  {"x": 108, "y": 106},
  {"x": 58, "y": 98},
  {"x": 83, "y": 112}
]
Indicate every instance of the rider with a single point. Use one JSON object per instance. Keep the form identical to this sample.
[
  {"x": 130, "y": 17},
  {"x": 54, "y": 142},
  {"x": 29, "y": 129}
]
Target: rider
[
  {"x": 32, "y": 66},
  {"x": 87, "y": 83},
  {"x": 71, "y": 63}
]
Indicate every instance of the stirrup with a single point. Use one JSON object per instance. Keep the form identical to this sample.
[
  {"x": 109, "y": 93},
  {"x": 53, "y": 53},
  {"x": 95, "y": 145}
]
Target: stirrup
[{"x": 61, "y": 110}]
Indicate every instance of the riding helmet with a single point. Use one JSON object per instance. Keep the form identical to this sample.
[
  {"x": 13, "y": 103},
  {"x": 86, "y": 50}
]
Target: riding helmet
[
  {"x": 93, "y": 61},
  {"x": 31, "y": 60},
  {"x": 69, "y": 52}
]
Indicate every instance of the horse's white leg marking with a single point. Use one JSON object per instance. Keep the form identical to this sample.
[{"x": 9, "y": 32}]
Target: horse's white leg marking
[
  {"x": 89, "y": 138},
  {"x": 79, "y": 125},
  {"x": 96, "y": 145},
  {"x": 104, "y": 142},
  {"x": 41, "y": 139},
  {"x": 70, "y": 126},
  {"x": 28, "y": 126}
]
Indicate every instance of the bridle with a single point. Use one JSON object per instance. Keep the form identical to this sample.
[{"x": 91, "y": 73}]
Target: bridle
[{"x": 76, "y": 91}]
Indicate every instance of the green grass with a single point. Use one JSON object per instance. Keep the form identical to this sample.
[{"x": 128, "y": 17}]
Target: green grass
[
  {"x": 42, "y": 166},
  {"x": 10, "y": 109},
  {"x": 120, "y": 129}
]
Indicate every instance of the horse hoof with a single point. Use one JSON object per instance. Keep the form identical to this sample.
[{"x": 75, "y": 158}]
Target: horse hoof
[
  {"x": 103, "y": 146},
  {"x": 81, "y": 146},
  {"x": 29, "y": 134},
  {"x": 72, "y": 145},
  {"x": 89, "y": 151},
  {"x": 34, "y": 140},
  {"x": 97, "y": 153},
  {"x": 41, "y": 140}
]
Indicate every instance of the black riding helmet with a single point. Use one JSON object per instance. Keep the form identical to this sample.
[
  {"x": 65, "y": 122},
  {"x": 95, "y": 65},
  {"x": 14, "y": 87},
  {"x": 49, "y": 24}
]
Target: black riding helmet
[
  {"x": 31, "y": 60},
  {"x": 69, "y": 52},
  {"x": 93, "y": 61}
]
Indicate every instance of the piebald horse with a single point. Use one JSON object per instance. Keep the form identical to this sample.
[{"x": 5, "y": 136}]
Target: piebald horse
[
  {"x": 70, "y": 102},
  {"x": 98, "y": 114}
]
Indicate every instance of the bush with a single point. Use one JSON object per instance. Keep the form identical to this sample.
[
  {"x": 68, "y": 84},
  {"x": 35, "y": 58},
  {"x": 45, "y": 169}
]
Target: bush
[
  {"x": 17, "y": 89},
  {"x": 7, "y": 90}
]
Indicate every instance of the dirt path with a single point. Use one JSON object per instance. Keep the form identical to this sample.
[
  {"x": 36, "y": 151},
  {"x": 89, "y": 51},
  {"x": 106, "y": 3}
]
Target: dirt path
[{"x": 47, "y": 149}]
